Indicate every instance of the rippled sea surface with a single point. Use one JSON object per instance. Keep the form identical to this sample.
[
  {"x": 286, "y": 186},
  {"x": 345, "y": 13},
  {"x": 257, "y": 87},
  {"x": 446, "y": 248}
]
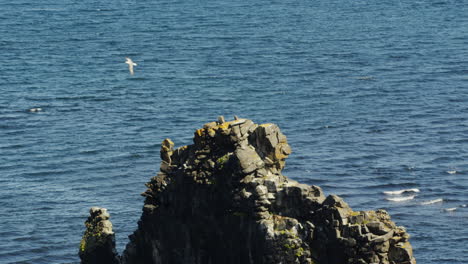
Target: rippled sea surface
[{"x": 372, "y": 95}]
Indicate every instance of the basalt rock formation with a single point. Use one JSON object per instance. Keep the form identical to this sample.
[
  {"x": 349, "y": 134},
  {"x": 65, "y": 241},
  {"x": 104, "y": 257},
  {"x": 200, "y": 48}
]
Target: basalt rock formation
[
  {"x": 223, "y": 199},
  {"x": 98, "y": 242}
]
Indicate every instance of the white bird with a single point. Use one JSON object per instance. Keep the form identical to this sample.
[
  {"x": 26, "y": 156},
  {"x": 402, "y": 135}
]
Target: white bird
[
  {"x": 35, "y": 110},
  {"x": 130, "y": 64}
]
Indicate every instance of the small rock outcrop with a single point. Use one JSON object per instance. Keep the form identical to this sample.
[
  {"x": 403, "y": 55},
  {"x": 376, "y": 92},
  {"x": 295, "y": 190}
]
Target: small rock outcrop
[
  {"x": 223, "y": 199},
  {"x": 98, "y": 242}
]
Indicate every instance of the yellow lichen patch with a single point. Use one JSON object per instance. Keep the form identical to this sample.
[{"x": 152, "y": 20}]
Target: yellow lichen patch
[
  {"x": 183, "y": 148},
  {"x": 224, "y": 125},
  {"x": 200, "y": 131},
  {"x": 168, "y": 142},
  {"x": 82, "y": 245},
  {"x": 279, "y": 153},
  {"x": 266, "y": 125},
  {"x": 223, "y": 159},
  {"x": 299, "y": 252},
  {"x": 211, "y": 132},
  {"x": 355, "y": 213},
  {"x": 210, "y": 125}
]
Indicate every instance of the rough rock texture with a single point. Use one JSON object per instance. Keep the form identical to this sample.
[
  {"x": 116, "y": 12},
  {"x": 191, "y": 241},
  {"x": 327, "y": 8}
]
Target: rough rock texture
[
  {"x": 98, "y": 242},
  {"x": 224, "y": 200}
]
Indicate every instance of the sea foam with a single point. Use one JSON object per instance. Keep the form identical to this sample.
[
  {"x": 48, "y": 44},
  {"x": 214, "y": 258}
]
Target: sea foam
[
  {"x": 450, "y": 209},
  {"x": 401, "y": 199},
  {"x": 401, "y": 191},
  {"x": 433, "y": 201}
]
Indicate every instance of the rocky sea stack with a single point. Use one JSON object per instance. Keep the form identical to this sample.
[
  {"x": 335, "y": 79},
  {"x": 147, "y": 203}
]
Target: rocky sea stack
[{"x": 223, "y": 199}]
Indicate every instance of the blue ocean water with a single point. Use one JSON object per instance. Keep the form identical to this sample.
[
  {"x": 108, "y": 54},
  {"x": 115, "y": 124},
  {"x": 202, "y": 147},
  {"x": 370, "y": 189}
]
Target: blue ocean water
[{"x": 372, "y": 96}]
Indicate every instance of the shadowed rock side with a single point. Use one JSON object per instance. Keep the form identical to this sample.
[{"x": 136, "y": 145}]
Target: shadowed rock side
[{"x": 224, "y": 200}]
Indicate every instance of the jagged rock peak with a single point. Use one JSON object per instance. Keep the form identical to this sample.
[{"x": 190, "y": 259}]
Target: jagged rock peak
[
  {"x": 98, "y": 242},
  {"x": 223, "y": 199}
]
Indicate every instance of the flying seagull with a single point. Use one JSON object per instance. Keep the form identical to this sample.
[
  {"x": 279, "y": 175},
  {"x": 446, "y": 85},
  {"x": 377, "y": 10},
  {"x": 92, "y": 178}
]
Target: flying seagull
[{"x": 130, "y": 64}]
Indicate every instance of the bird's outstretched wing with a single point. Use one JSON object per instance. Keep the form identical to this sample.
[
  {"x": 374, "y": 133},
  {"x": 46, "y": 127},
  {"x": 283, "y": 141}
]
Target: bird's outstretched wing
[{"x": 130, "y": 64}]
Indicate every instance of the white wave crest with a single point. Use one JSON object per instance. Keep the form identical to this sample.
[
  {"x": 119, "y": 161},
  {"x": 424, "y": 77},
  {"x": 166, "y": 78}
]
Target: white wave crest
[
  {"x": 433, "y": 201},
  {"x": 450, "y": 209},
  {"x": 401, "y": 191},
  {"x": 400, "y": 199}
]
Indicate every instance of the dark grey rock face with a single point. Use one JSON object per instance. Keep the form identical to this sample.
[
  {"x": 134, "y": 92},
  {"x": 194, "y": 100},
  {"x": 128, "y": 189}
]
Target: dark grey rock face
[
  {"x": 98, "y": 243},
  {"x": 224, "y": 200}
]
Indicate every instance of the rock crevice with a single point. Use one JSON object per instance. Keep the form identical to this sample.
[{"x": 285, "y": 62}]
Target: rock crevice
[{"x": 223, "y": 199}]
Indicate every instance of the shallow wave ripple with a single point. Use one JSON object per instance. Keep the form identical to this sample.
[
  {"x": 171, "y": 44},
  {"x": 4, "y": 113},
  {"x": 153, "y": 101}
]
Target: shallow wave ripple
[{"x": 372, "y": 97}]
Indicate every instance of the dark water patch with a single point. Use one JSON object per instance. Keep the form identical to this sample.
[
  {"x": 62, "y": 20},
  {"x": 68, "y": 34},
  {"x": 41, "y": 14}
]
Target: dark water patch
[
  {"x": 83, "y": 98},
  {"x": 138, "y": 79},
  {"x": 14, "y": 146},
  {"x": 90, "y": 151},
  {"x": 402, "y": 185},
  {"x": 448, "y": 260},
  {"x": 42, "y": 174}
]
